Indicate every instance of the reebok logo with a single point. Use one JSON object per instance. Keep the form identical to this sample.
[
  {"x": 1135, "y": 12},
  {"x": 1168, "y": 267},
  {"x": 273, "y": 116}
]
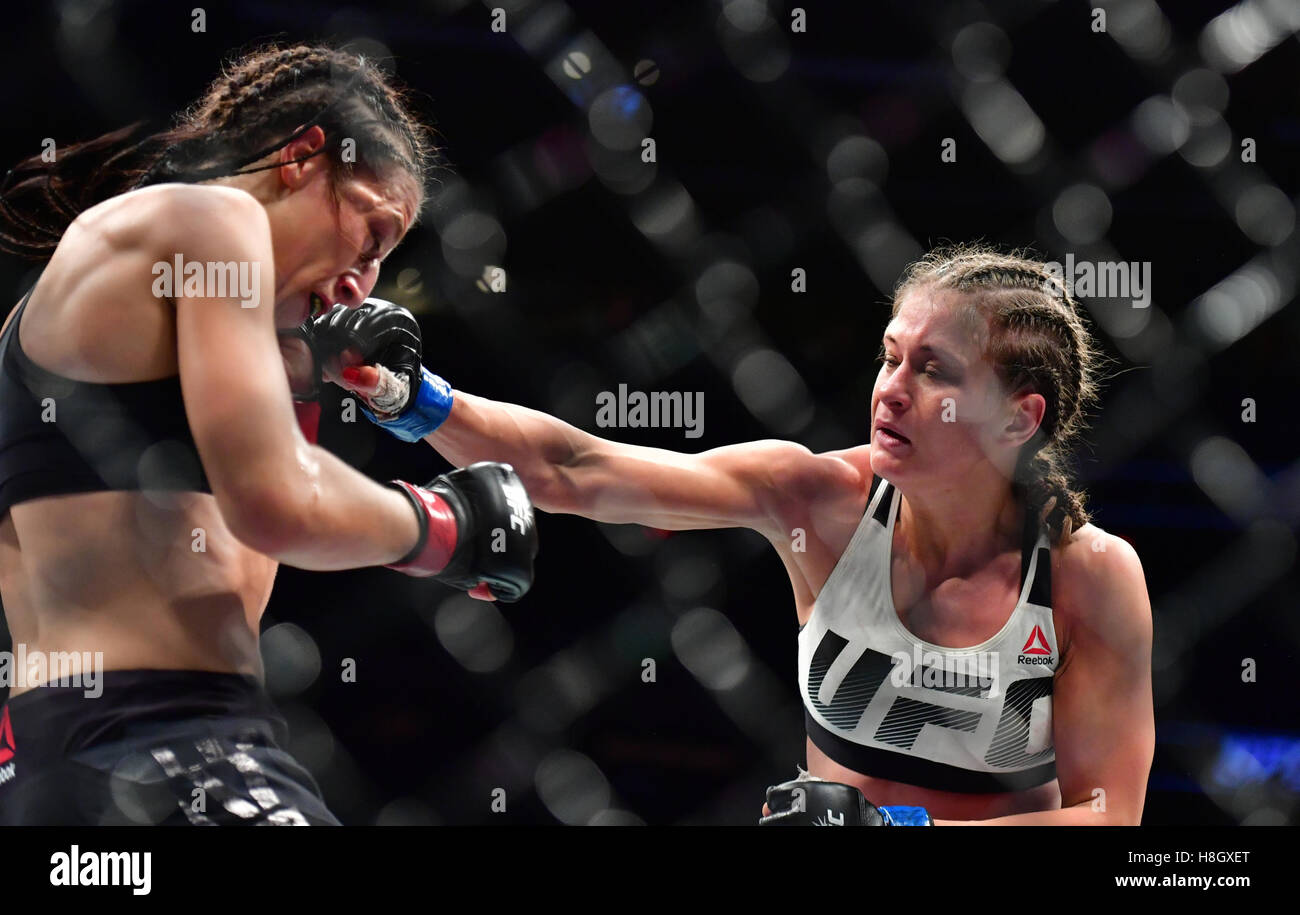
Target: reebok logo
[
  {"x": 1036, "y": 643},
  {"x": 1036, "y": 650}
]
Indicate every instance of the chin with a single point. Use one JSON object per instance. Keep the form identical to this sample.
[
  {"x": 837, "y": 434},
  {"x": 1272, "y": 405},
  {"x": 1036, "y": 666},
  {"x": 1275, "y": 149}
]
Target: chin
[
  {"x": 881, "y": 461},
  {"x": 890, "y": 467}
]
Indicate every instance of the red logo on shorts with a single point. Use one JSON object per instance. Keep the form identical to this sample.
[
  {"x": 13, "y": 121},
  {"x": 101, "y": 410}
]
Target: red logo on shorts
[
  {"x": 6, "y": 737},
  {"x": 1036, "y": 636}
]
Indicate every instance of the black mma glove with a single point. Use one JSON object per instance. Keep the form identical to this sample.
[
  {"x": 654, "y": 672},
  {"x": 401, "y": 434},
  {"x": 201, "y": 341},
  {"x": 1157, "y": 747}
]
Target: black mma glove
[
  {"x": 377, "y": 331},
  {"x": 476, "y": 527},
  {"x": 412, "y": 401},
  {"x": 813, "y": 802}
]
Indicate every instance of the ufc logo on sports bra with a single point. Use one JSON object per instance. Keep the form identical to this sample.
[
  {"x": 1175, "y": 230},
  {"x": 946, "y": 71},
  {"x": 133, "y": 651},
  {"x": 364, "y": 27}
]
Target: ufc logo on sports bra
[{"x": 910, "y": 711}]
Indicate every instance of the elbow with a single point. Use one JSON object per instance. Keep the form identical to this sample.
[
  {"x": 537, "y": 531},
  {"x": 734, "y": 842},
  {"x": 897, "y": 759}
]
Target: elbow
[{"x": 264, "y": 517}]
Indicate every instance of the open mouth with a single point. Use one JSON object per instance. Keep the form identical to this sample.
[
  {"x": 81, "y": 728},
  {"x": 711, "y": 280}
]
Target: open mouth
[
  {"x": 317, "y": 306},
  {"x": 893, "y": 436}
]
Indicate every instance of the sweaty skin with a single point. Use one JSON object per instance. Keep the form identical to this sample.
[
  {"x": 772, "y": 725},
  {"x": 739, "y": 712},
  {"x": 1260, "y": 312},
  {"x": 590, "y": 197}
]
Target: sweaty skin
[{"x": 118, "y": 572}]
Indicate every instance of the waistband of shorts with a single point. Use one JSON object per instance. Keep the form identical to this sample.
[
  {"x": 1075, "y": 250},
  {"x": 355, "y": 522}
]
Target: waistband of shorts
[{"x": 66, "y": 716}]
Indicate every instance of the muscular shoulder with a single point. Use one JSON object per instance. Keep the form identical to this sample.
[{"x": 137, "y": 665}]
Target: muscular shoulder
[
  {"x": 110, "y": 254},
  {"x": 805, "y": 476},
  {"x": 175, "y": 217},
  {"x": 819, "y": 489},
  {"x": 1100, "y": 594}
]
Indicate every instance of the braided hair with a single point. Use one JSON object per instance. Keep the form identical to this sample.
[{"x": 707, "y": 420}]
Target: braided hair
[
  {"x": 1035, "y": 339},
  {"x": 263, "y": 100}
]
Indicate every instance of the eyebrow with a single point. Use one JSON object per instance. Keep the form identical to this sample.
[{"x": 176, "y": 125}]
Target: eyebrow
[{"x": 941, "y": 353}]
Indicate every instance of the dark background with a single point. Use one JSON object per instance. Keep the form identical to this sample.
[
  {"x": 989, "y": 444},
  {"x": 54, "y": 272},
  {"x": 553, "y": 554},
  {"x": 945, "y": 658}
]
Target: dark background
[{"x": 818, "y": 150}]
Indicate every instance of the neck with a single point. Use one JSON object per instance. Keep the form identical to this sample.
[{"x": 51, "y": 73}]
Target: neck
[
  {"x": 262, "y": 185},
  {"x": 959, "y": 526}
]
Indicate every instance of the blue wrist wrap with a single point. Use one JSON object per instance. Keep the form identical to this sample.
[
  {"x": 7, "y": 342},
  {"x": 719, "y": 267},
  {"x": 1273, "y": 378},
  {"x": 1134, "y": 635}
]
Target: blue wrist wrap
[{"x": 432, "y": 405}]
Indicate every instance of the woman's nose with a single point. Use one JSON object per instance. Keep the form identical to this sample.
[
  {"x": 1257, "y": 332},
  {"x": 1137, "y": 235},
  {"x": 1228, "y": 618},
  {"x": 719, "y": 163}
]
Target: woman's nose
[
  {"x": 892, "y": 387},
  {"x": 350, "y": 291}
]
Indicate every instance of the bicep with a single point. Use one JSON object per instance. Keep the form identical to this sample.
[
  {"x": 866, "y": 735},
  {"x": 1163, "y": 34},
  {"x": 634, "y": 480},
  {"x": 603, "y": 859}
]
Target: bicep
[
  {"x": 1104, "y": 723},
  {"x": 231, "y": 371}
]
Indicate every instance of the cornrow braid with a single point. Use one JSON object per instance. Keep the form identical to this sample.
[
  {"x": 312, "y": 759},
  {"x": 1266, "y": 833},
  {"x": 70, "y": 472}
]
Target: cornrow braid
[
  {"x": 265, "y": 95},
  {"x": 1036, "y": 339},
  {"x": 261, "y": 101}
]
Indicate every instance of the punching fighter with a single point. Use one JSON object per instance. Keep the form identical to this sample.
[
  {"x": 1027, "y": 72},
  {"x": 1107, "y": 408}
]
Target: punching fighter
[{"x": 972, "y": 649}]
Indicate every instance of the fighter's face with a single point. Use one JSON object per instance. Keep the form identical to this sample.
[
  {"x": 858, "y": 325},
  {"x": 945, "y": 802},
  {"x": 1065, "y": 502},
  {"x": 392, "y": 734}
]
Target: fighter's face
[
  {"x": 330, "y": 231},
  {"x": 346, "y": 232},
  {"x": 935, "y": 390}
]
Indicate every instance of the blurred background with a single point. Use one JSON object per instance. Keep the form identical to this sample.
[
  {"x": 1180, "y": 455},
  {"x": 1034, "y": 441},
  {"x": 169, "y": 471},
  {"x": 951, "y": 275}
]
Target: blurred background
[{"x": 776, "y": 150}]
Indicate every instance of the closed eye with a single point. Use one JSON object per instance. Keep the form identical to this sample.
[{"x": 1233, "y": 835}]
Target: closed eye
[{"x": 371, "y": 257}]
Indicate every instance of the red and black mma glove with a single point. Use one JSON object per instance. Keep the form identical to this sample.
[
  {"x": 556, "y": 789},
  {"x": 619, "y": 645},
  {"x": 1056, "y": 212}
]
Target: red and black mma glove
[
  {"x": 813, "y": 802},
  {"x": 413, "y": 401},
  {"x": 476, "y": 529}
]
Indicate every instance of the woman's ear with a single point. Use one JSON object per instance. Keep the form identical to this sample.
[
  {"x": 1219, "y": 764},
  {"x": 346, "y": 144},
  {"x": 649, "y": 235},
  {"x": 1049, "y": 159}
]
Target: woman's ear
[
  {"x": 299, "y": 159},
  {"x": 1028, "y": 410}
]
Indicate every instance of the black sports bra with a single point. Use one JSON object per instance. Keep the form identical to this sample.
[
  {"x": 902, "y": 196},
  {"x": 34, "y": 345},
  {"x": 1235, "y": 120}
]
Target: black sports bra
[{"x": 59, "y": 436}]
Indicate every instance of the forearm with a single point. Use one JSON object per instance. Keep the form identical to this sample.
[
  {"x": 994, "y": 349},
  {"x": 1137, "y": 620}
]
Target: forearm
[
  {"x": 534, "y": 443},
  {"x": 567, "y": 470},
  {"x": 337, "y": 519}
]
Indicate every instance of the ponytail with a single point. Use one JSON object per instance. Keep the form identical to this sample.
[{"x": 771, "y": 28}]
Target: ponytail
[
  {"x": 41, "y": 197},
  {"x": 1044, "y": 487},
  {"x": 262, "y": 101}
]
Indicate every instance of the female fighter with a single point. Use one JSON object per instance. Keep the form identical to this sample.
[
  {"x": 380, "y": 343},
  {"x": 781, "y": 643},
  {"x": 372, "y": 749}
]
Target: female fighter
[
  {"x": 971, "y": 648},
  {"x": 152, "y": 471}
]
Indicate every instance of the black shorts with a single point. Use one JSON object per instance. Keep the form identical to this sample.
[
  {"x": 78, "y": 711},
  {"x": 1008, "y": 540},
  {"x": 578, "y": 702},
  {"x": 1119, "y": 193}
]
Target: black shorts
[{"x": 156, "y": 747}]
